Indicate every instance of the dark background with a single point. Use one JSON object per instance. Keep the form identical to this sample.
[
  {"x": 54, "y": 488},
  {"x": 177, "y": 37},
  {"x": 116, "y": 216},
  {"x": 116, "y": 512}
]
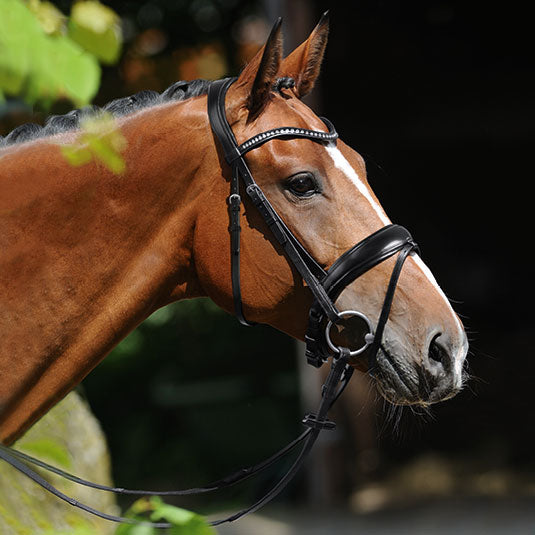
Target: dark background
[{"x": 437, "y": 97}]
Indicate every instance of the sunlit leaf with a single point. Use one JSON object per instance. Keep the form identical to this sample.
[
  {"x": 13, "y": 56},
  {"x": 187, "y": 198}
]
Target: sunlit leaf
[
  {"x": 97, "y": 29},
  {"x": 175, "y": 515},
  {"x": 41, "y": 67},
  {"x": 18, "y": 28},
  {"x": 52, "y": 20},
  {"x": 62, "y": 69},
  {"x": 76, "y": 155},
  {"x": 183, "y": 522},
  {"x": 99, "y": 139},
  {"x": 40, "y": 63},
  {"x": 137, "y": 529}
]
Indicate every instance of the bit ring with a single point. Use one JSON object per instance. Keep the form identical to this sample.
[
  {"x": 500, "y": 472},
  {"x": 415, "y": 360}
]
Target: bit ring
[{"x": 368, "y": 337}]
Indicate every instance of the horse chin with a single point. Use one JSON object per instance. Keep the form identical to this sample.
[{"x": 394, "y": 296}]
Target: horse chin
[{"x": 403, "y": 383}]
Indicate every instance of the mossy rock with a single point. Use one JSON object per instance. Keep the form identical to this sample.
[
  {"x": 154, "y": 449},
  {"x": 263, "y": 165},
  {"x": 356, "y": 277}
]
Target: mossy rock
[{"x": 68, "y": 437}]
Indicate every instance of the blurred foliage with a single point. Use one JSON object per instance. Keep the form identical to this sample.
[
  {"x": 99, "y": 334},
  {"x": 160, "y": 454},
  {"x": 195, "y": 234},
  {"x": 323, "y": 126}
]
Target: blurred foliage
[
  {"x": 45, "y": 56},
  {"x": 96, "y": 28},
  {"x": 190, "y": 396},
  {"x": 154, "y": 509},
  {"x": 100, "y": 140}
]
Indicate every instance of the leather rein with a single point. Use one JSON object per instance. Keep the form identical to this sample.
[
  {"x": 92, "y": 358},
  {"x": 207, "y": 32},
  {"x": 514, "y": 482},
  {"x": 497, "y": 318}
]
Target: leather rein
[{"x": 325, "y": 285}]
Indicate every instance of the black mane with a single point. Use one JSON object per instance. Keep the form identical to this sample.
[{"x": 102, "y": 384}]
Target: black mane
[{"x": 56, "y": 124}]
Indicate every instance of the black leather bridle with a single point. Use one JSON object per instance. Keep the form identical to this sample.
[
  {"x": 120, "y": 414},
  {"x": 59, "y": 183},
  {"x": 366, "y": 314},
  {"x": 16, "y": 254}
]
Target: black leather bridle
[{"x": 325, "y": 285}]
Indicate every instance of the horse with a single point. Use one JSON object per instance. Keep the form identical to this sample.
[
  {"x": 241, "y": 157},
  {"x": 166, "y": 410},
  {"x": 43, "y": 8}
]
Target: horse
[{"x": 88, "y": 254}]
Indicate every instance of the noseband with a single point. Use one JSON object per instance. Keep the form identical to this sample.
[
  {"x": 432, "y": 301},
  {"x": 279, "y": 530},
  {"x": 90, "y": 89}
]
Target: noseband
[{"x": 325, "y": 285}]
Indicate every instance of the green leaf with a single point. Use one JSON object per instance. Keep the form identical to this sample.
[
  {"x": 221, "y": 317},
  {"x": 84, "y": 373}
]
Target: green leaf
[
  {"x": 175, "y": 515},
  {"x": 160, "y": 317},
  {"x": 105, "y": 152},
  {"x": 39, "y": 67},
  {"x": 137, "y": 529},
  {"x": 76, "y": 156},
  {"x": 183, "y": 522},
  {"x": 51, "y": 19},
  {"x": 62, "y": 69},
  {"x": 96, "y": 28},
  {"x": 196, "y": 526},
  {"x": 41, "y": 64},
  {"x": 100, "y": 139},
  {"x": 46, "y": 448},
  {"x": 18, "y": 28}
]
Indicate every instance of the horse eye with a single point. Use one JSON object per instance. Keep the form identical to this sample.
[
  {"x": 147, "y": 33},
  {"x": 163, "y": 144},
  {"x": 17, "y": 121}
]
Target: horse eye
[{"x": 302, "y": 185}]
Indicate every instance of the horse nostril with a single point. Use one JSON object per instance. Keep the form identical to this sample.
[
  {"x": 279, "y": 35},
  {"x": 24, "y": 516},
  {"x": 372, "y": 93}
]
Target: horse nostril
[{"x": 437, "y": 352}]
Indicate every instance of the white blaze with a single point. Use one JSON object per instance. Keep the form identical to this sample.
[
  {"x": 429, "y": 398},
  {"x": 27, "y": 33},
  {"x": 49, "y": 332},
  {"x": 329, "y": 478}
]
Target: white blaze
[{"x": 341, "y": 163}]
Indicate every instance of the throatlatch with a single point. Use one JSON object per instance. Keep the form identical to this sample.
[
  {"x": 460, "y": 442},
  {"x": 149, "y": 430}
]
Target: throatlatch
[{"x": 325, "y": 286}]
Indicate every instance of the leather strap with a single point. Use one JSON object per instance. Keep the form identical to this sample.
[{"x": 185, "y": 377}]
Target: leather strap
[
  {"x": 339, "y": 372},
  {"x": 305, "y": 264},
  {"x": 387, "y": 304},
  {"x": 218, "y": 120},
  {"x": 362, "y": 257},
  {"x": 289, "y": 132},
  {"x": 10, "y": 456},
  {"x": 365, "y": 255}
]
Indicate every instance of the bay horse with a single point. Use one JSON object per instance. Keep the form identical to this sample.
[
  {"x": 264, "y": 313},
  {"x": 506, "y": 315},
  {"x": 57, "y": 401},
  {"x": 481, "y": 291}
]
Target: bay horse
[{"x": 86, "y": 254}]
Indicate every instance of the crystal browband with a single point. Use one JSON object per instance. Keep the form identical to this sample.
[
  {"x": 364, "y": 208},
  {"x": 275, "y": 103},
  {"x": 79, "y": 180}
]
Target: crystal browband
[{"x": 293, "y": 131}]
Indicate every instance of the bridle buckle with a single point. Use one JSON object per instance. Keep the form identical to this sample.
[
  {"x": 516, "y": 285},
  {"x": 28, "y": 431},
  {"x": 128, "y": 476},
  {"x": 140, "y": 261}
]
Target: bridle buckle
[{"x": 312, "y": 420}]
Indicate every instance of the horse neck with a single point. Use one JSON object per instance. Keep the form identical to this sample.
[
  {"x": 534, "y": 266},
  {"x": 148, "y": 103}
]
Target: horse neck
[{"x": 87, "y": 255}]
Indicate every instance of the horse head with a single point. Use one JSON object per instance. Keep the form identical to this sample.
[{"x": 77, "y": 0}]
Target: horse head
[{"x": 321, "y": 193}]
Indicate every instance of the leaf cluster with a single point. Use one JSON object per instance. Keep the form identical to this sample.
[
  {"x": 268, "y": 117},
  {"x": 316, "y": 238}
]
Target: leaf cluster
[
  {"x": 183, "y": 522},
  {"x": 46, "y": 56},
  {"x": 99, "y": 139}
]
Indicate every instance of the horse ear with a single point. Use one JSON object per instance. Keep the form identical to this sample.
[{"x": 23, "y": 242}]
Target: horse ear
[
  {"x": 260, "y": 73},
  {"x": 303, "y": 64}
]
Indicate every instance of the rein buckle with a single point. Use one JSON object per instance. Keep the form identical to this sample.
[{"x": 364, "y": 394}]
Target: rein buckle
[{"x": 311, "y": 420}]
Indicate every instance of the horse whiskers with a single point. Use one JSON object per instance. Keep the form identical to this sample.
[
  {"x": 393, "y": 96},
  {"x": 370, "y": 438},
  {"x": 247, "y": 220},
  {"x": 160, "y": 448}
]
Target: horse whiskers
[
  {"x": 424, "y": 412},
  {"x": 392, "y": 419},
  {"x": 396, "y": 420},
  {"x": 400, "y": 420}
]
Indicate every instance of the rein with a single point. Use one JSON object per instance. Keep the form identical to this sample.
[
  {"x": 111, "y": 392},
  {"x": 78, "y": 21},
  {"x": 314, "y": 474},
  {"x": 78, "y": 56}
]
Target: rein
[{"x": 325, "y": 285}]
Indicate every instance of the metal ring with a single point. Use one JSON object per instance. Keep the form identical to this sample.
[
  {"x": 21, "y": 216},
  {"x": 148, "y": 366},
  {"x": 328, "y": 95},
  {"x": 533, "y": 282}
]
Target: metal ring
[{"x": 368, "y": 338}]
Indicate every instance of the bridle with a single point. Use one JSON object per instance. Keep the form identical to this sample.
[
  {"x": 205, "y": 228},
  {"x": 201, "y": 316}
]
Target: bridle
[{"x": 325, "y": 285}]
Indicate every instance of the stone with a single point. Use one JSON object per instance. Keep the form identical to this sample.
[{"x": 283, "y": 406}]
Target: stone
[{"x": 70, "y": 438}]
